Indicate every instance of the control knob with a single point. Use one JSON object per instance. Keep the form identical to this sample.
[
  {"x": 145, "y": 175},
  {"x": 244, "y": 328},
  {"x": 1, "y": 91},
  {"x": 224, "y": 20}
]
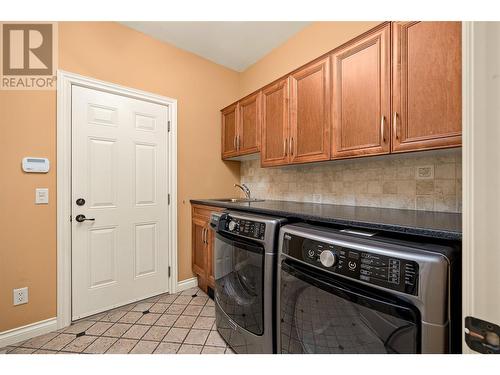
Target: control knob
[
  {"x": 327, "y": 258},
  {"x": 233, "y": 225}
]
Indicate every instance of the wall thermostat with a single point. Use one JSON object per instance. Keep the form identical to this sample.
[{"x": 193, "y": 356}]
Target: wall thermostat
[{"x": 36, "y": 165}]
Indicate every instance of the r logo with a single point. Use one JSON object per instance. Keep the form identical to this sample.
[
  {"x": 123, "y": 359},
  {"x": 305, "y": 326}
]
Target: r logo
[
  {"x": 27, "y": 49},
  {"x": 29, "y": 55}
]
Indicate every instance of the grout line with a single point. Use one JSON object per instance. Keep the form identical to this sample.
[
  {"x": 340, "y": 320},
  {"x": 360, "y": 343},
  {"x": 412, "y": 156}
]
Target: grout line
[
  {"x": 110, "y": 346},
  {"x": 130, "y": 309},
  {"x": 132, "y": 348},
  {"x": 157, "y": 345},
  {"x": 25, "y": 347},
  {"x": 90, "y": 343}
]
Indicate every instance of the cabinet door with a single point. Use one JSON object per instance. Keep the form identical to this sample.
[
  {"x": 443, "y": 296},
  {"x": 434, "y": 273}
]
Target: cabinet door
[
  {"x": 203, "y": 245},
  {"x": 248, "y": 137},
  {"x": 310, "y": 113},
  {"x": 427, "y": 85},
  {"x": 199, "y": 250},
  {"x": 229, "y": 131},
  {"x": 274, "y": 147},
  {"x": 210, "y": 258},
  {"x": 361, "y": 103}
]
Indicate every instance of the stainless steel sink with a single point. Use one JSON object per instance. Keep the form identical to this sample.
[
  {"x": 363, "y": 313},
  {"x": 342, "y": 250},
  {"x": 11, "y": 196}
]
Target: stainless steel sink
[{"x": 239, "y": 200}]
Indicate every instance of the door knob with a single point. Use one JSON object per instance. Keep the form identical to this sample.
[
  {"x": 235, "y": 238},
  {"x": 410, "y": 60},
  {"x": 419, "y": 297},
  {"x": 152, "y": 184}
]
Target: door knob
[{"x": 81, "y": 218}]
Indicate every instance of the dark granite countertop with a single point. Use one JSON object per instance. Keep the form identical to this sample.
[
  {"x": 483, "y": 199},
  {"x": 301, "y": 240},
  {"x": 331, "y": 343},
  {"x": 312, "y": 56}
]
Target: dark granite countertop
[{"x": 440, "y": 225}]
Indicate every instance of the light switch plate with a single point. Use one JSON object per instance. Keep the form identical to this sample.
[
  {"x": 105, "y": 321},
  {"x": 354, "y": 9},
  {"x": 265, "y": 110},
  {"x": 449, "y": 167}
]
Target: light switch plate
[
  {"x": 425, "y": 172},
  {"x": 41, "y": 196}
]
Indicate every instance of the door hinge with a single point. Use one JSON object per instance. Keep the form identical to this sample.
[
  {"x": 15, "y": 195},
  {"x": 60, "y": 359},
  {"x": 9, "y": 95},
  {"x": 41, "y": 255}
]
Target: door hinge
[
  {"x": 168, "y": 271},
  {"x": 70, "y": 218},
  {"x": 482, "y": 336},
  {"x": 168, "y": 126},
  {"x": 168, "y": 198}
]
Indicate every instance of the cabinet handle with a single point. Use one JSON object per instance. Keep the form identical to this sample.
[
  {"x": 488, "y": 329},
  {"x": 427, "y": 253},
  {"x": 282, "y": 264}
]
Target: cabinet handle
[
  {"x": 234, "y": 143},
  {"x": 395, "y": 124},
  {"x": 382, "y": 122},
  {"x": 285, "y": 141},
  {"x": 291, "y": 146},
  {"x": 238, "y": 139}
]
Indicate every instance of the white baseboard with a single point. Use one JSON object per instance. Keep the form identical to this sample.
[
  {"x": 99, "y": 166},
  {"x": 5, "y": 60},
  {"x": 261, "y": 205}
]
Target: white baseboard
[
  {"x": 26, "y": 332},
  {"x": 186, "y": 284}
]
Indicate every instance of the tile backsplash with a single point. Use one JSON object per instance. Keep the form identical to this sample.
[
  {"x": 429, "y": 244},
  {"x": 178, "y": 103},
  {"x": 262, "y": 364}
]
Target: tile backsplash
[{"x": 429, "y": 180}]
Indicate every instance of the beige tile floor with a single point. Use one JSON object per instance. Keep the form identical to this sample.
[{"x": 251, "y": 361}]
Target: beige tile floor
[{"x": 182, "y": 323}]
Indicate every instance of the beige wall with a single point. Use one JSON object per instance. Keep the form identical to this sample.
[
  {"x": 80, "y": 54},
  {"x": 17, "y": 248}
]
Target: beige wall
[
  {"x": 115, "y": 53},
  {"x": 311, "y": 42},
  {"x": 27, "y": 233}
]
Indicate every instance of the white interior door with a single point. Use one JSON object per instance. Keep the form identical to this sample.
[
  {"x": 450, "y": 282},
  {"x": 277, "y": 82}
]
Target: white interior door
[{"x": 119, "y": 167}]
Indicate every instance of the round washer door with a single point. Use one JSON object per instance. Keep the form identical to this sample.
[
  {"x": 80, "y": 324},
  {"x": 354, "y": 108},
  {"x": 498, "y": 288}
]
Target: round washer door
[
  {"x": 319, "y": 315},
  {"x": 239, "y": 276}
]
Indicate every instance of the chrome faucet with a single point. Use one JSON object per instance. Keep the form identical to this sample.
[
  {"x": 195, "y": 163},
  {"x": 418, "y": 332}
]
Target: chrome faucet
[{"x": 245, "y": 190}]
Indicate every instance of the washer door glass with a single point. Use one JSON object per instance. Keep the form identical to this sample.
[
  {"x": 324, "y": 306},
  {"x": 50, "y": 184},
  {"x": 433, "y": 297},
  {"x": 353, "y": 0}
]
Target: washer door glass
[
  {"x": 239, "y": 273},
  {"x": 321, "y": 315}
]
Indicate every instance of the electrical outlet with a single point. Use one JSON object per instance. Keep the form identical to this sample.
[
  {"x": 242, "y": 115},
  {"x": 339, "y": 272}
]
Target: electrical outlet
[
  {"x": 20, "y": 296},
  {"x": 317, "y": 198}
]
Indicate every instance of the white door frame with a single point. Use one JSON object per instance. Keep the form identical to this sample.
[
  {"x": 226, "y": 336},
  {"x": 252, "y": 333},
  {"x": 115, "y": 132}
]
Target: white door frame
[
  {"x": 480, "y": 94},
  {"x": 467, "y": 174},
  {"x": 65, "y": 81}
]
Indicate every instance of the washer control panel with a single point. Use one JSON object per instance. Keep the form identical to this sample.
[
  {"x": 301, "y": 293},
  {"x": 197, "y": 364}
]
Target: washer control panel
[
  {"x": 373, "y": 268},
  {"x": 246, "y": 228}
]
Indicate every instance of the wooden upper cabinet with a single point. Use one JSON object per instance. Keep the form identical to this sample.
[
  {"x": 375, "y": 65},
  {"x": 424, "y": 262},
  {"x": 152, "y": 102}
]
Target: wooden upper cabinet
[
  {"x": 427, "y": 82},
  {"x": 361, "y": 104},
  {"x": 309, "y": 138},
  {"x": 241, "y": 127},
  {"x": 248, "y": 138},
  {"x": 275, "y": 132},
  {"x": 395, "y": 88},
  {"x": 229, "y": 131}
]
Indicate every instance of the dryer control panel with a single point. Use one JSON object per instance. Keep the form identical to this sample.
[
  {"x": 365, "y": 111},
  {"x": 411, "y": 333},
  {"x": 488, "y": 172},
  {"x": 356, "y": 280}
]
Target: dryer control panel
[{"x": 389, "y": 272}]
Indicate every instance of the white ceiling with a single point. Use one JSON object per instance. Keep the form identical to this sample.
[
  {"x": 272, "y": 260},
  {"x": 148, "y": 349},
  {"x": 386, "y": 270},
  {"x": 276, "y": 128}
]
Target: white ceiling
[{"x": 236, "y": 45}]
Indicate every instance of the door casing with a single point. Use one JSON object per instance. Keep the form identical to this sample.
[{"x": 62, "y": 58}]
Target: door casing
[
  {"x": 480, "y": 94},
  {"x": 65, "y": 81}
]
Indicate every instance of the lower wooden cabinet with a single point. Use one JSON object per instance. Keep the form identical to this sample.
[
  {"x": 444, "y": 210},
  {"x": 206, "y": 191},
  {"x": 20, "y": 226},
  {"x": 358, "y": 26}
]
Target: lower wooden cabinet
[
  {"x": 202, "y": 245},
  {"x": 210, "y": 237}
]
